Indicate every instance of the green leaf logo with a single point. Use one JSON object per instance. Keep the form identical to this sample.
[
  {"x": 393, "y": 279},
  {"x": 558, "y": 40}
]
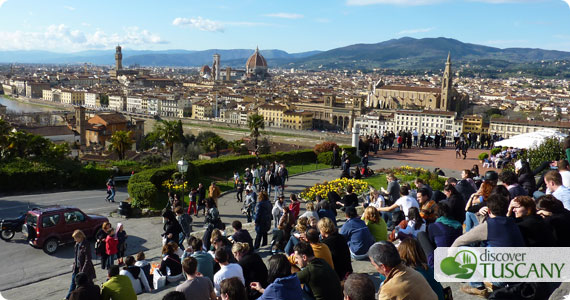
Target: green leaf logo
[{"x": 462, "y": 265}]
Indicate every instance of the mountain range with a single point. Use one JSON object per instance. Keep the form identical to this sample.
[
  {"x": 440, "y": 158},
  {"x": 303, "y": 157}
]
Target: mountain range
[{"x": 403, "y": 53}]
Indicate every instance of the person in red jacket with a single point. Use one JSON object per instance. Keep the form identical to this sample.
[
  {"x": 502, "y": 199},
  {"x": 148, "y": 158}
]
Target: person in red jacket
[
  {"x": 111, "y": 247},
  {"x": 295, "y": 206}
]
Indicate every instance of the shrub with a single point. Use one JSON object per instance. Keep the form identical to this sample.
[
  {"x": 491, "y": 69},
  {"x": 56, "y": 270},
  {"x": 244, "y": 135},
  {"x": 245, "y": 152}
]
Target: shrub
[
  {"x": 495, "y": 151},
  {"x": 325, "y": 158},
  {"x": 551, "y": 149},
  {"x": 143, "y": 194},
  {"x": 324, "y": 147},
  {"x": 483, "y": 156}
]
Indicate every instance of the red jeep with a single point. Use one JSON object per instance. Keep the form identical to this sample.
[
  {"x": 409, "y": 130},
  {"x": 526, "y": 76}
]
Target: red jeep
[{"x": 49, "y": 227}]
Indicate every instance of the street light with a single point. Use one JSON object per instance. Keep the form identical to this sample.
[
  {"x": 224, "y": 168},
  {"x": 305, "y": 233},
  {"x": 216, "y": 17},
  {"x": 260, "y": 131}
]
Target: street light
[{"x": 183, "y": 168}]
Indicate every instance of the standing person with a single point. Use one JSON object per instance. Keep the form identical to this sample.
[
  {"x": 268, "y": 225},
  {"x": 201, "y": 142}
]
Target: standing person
[
  {"x": 345, "y": 169},
  {"x": 110, "y": 189},
  {"x": 277, "y": 210},
  {"x": 185, "y": 222},
  {"x": 236, "y": 178},
  {"x": 334, "y": 157},
  {"x": 117, "y": 286},
  {"x": 255, "y": 179},
  {"x": 365, "y": 161},
  {"x": 82, "y": 262},
  {"x": 249, "y": 204},
  {"x": 262, "y": 219},
  {"x": 464, "y": 149},
  {"x": 415, "y": 134},
  {"x": 122, "y": 246},
  {"x": 100, "y": 245},
  {"x": 409, "y": 140},
  {"x": 422, "y": 140},
  {"x": 239, "y": 191},
  {"x": 195, "y": 287},
  {"x": 201, "y": 199},
  {"x": 215, "y": 192},
  {"x": 400, "y": 142},
  {"x": 111, "y": 244},
  {"x": 192, "y": 208},
  {"x": 284, "y": 176}
]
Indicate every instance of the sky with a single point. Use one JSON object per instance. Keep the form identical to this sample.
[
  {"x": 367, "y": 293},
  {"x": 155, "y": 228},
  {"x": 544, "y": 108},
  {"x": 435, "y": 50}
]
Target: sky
[{"x": 290, "y": 25}]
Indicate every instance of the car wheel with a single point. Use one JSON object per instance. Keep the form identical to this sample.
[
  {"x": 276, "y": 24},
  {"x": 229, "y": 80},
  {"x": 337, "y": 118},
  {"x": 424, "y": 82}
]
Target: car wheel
[
  {"x": 7, "y": 234},
  {"x": 50, "y": 246}
]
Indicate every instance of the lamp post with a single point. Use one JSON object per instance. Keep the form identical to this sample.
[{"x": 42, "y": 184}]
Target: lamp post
[{"x": 183, "y": 168}]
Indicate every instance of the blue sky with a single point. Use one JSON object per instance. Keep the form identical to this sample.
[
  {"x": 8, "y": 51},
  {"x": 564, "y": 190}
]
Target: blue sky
[{"x": 293, "y": 25}]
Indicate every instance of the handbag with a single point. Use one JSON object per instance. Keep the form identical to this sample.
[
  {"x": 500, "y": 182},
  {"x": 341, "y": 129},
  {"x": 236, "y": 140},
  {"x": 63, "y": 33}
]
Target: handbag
[{"x": 158, "y": 279}]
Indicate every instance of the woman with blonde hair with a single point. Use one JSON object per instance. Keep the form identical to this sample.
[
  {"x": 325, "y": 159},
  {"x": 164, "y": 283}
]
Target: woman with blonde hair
[
  {"x": 337, "y": 245},
  {"x": 310, "y": 211},
  {"x": 300, "y": 229},
  {"x": 413, "y": 256},
  {"x": 82, "y": 262},
  {"x": 375, "y": 224},
  {"x": 253, "y": 267},
  {"x": 476, "y": 201}
]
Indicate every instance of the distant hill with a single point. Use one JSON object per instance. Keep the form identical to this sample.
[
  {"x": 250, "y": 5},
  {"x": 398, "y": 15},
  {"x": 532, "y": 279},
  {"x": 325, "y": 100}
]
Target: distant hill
[{"x": 397, "y": 54}]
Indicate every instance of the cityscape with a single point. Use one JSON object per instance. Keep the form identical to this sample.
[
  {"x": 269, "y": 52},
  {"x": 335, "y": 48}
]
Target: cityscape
[{"x": 122, "y": 131}]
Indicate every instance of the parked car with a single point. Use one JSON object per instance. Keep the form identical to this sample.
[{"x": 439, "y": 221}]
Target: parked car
[{"x": 50, "y": 227}]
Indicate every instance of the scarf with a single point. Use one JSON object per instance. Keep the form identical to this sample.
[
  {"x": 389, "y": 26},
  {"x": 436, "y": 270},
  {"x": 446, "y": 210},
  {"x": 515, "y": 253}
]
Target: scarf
[{"x": 449, "y": 222}]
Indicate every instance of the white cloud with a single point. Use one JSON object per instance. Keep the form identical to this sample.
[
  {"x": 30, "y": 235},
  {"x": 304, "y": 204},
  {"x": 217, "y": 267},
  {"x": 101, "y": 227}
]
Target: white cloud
[
  {"x": 416, "y": 30},
  {"x": 200, "y": 24},
  {"x": 60, "y": 37},
  {"x": 2, "y": 2},
  {"x": 566, "y": 1},
  {"x": 69, "y": 7},
  {"x": 285, "y": 15}
]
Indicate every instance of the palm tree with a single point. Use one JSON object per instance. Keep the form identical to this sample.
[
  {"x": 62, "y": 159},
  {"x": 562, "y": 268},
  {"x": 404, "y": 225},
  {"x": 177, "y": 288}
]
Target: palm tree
[
  {"x": 255, "y": 122},
  {"x": 120, "y": 142},
  {"x": 216, "y": 143},
  {"x": 170, "y": 133}
]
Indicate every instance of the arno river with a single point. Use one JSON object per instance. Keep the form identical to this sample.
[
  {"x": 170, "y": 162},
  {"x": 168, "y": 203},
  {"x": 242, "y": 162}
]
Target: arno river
[{"x": 18, "y": 107}]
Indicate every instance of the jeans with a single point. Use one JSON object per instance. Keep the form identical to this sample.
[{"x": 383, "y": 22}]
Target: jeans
[
  {"x": 290, "y": 244},
  {"x": 470, "y": 220},
  {"x": 359, "y": 256},
  {"x": 276, "y": 217},
  {"x": 538, "y": 194},
  {"x": 111, "y": 260},
  {"x": 111, "y": 197},
  {"x": 181, "y": 239},
  {"x": 276, "y": 193},
  {"x": 72, "y": 286}
]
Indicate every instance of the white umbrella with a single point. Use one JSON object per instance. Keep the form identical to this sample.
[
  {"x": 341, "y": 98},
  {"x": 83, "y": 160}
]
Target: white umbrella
[{"x": 530, "y": 139}]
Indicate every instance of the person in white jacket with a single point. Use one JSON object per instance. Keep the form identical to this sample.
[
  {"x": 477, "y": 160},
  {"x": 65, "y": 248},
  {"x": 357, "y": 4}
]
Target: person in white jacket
[
  {"x": 277, "y": 210},
  {"x": 136, "y": 275}
]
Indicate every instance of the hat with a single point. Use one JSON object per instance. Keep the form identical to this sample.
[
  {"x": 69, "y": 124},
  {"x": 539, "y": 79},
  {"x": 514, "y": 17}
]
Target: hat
[{"x": 491, "y": 175}]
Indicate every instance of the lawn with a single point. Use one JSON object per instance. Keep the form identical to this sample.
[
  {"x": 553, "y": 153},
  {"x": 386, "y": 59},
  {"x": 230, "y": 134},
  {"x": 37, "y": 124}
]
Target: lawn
[{"x": 379, "y": 180}]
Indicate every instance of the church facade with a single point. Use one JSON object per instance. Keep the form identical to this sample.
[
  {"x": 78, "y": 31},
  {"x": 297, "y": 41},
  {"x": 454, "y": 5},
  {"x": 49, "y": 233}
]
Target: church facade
[{"x": 446, "y": 98}]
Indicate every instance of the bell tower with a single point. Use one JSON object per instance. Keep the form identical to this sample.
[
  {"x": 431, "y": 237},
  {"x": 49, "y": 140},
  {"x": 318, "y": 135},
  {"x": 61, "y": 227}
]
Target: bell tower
[
  {"x": 118, "y": 58},
  {"x": 446, "y": 84}
]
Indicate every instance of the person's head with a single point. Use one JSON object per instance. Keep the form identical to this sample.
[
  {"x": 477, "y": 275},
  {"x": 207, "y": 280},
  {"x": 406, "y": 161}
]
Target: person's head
[
  {"x": 232, "y": 289},
  {"x": 422, "y": 195},
  {"x": 213, "y": 183},
  {"x": 466, "y": 174},
  {"x": 563, "y": 165},
  {"x": 371, "y": 214},
  {"x": 279, "y": 267},
  {"x": 349, "y": 189},
  {"x": 130, "y": 261},
  {"x": 302, "y": 224},
  {"x": 81, "y": 279},
  {"x": 485, "y": 190},
  {"x": 174, "y": 295},
  {"x": 173, "y": 246},
  {"x": 414, "y": 214},
  {"x": 508, "y": 177},
  {"x": 221, "y": 256},
  {"x": 197, "y": 245},
  {"x": 326, "y": 227},
  {"x": 313, "y": 222},
  {"x": 412, "y": 254},
  {"x": 113, "y": 271},
  {"x": 550, "y": 204},
  {"x": 310, "y": 206},
  {"x": 404, "y": 190},
  {"x": 350, "y": 212},
  {"x": 239, "y": 250},
  {"x": 189, "y": 265},
  {"x": 179, "y": 210},
  {"x": 78, "y": 236},
  {"x": 498, "y": 205},
  {"x": 262, "y": 197},
  {"x": 523, "y": 206},
  {"x": 491, "y": 177},
  {"x": 451, "y": 181},
  {"x": 419, "y": 182},
  {"x": 443, "y": 209},
  {"x": 106, "y": 226},
  {"x": 359, "y": 287},
  {"x": 236, "y": 225},
  {"x": 303, "y": 254},
  {"x": 281, "y": 199},
  {"x": 168, "y": 215},
  {"x": 449, "y": 190},
  {"x": 200, "y": 185},
  {"x": 553, "y": 180},
  {"x": 167, "y": 249},
  {"x": 140, "y": 256},
  {"x": 111, "y": 231},
  {"x": 293, "y": 198},
  {"x": 391, "y": 177},
  {"x": 384, "y": 257},
  {"x": 312, "y": 236}
]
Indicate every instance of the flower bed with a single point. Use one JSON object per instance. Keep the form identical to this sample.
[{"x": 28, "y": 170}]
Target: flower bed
[
  {"x": 174, "y": 186},
  {"x": 337, "y": 185}
]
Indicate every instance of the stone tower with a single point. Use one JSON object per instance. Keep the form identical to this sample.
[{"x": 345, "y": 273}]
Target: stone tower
[
  {"x": 80, "y": 124},
  {"x": 216, "y": 67},
  {"x": 446, "y": 84},
  {"x": 228, "y": 74},
  {"x": 118, "y": 58}
]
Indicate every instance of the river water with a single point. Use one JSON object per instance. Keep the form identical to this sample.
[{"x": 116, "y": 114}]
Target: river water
[{"x": 21, "y": 107}]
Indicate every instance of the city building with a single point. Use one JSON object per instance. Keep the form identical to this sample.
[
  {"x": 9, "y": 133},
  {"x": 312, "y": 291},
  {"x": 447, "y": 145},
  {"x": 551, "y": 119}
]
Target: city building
[
  {"x": 117, "y": 102},
  {"x": 473, "y": 123},
  {"x": 332, "y": 113},
  {"x": 256, "y": 66},
  {"x": 424, "y": 121},
  {"x": 374, "y": 123},
  {"x": 272, "y": 114},
  {"x": 508, "y": 128},
  {"x": 35, "y": 89},
  {"x": 202, "y": 110},
  {"x": 92, "y": 99},
  {"x": 72, "y": 97},
  {"x": 298, "y": 120}
]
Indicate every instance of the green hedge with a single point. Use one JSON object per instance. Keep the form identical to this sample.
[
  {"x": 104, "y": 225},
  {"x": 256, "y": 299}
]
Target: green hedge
[
  {"x": 325, "y": 158},
  {"x": 143, "y": 194},
  {"x": 483, "y": 156},
  {"x": 495, "y": 151}
]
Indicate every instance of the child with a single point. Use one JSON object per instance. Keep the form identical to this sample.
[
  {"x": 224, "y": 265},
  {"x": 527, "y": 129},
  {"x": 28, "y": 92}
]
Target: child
[
  {"x": 122, "y": 246},
  {"x": 111, "y": 247},
  {"x": 193, "y": 202}
]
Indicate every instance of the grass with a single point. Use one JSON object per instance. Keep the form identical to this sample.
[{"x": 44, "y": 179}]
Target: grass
[
  {"x": 379, "y": 181},
  {"x": 232, "y": 128}
]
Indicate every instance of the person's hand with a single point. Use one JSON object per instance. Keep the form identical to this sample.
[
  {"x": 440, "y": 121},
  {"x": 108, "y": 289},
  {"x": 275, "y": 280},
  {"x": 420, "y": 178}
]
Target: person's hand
[
  {"x": 544, "y": 213},
  {"x": 169, "y": 235},
  {"x": 198, "y": 274},
  {"x": 511, "y": 206},
  {"x": 256, "y": 286},
  {"x": 340, "y": 203},
  {"x": 484, "y": 211}
]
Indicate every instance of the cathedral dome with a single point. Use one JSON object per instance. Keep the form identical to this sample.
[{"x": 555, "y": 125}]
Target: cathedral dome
[
  {"x": 205, "y": 70},
  {"x": 256, "y": 60}
]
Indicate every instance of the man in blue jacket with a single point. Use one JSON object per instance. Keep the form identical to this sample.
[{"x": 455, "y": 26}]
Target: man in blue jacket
[
  {"x": 357, "y": 234},
  {"x": 262, "y": 219}
]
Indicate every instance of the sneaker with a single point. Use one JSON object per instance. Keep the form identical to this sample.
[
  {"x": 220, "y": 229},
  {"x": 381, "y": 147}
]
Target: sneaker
[{"x": 481, "y": 291}]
